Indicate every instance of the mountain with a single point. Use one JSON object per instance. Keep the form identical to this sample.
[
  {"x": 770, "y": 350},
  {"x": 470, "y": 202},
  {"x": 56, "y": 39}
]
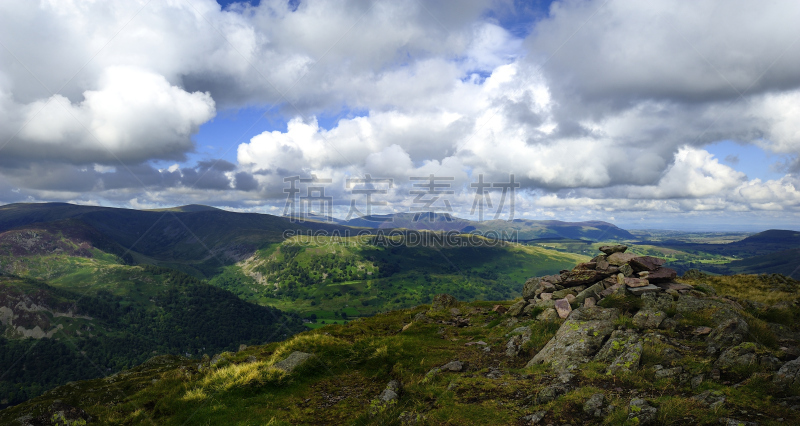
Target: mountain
[
  {"x": 70, "y": 310},
  {"x": 714, "y": 350}
]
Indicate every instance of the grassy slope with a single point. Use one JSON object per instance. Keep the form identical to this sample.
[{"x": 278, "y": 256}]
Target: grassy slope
[
  {"x": 355, "y": 361},
  {"x": 329, "y": 276}
]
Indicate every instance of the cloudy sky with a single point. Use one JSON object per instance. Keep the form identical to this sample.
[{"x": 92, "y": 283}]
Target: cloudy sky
[{"x": 682, "y": 115}]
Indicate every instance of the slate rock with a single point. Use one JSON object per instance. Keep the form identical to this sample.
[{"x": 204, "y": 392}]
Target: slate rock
[
  {"x": 636, "y": 282},
  {"x": 563, "y": 308},
  {"x": 609, "y": 250},
  {"x": 593, "y": 291},
  {"x": 638, "y": 291},
  {"x": 578, "y": 277},
  {"x": 619, "y": 259},
  {"x": 646, "y": 263},
  {"x": 662, "y": 275}
]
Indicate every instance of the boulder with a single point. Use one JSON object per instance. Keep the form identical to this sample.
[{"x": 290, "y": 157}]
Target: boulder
[
  {"x": 628, "y": 360},
  {"x": 516, "y": 309},
  {"x": 640, "y": 412},
  {"x": 549, "y": 314},
  {"x": 578, "y": 277},
  {"x": 546, "y": 303},
  {"x": 455, "y": 366},
  {"x": 647, "y": 319},
  {"x": 609, "y": 250},
  {"x": 663, "y": 373},
  {"x": 646, "y": 263},
  {"x": 593, "y": 291},
  {"x": 789, "y": 374},
  {"x": 292, "y": 361},
  {"x": 594, "y": 405},
  {"x": 619, "y": 340},
  {"x": 529, "y": 308},
  {"x": 675, "y": 286},
  {"x": 741, "y": 355},
  {"x": 578, "y": 339},
  {"x": 657, "y": 301},
  {"x": 534, "y": 286},
  {"x": 619, "y": 259},
  {"x": 586, "y": 266},
  {"x": 500, "y": 309},
  {"x": 589, "y": 302},
  {"x": 729, "y": 333},
  {"x": 546, "y": 296},
  {"x": 560, "y": 294},
  {"x": 563, "y": 308},
  {"x": 710, "y": 398},
  {"x": 602, "y": 264},
  {"x": 550, "y": 393},
  {"x": 534, "y": 418},
  {"x": 626, "y": 270}
]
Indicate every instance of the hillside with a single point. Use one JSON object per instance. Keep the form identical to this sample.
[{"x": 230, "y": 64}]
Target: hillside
[
  {"x": 708, "y": 350},
  {"x": 63, "y": 298}
]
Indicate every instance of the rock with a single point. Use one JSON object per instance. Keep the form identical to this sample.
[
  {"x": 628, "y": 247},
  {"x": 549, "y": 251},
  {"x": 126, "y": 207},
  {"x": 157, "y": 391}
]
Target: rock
[
  {"x": 549, "y": 314},
  {"x": 550, "y": 393},
  {"x": 386, "y": 399},
  {"x": 407, "y": 326},
  {"x": 530, "y": 307},
  {"x": 589, "y": 302},
  {"x": 628, "y": 360},
  {"x": 560, "y": 294},
  {"x": 577, "y": 277},
  {"x": 251, "y": 358},
  {"x": 242, "y": 347},
  {"x": 702, "y": 331},
  {"x": 455, "y": 312},
  {"x": 769, "y": 362},
  {"x": 454, "y": 366},
  {"x": 410, "y": 418},
  {"x": 516, "y": 309},
  {"x": 563, "y": 308},
  {"x": 675, "y": 286},
  {"x": 602, "y": 264},
  {"x": 657, "y": 301},
  {"x": 534, "y": 418},
  {"x": 545, "y": 304},
  {"x": 594, "y": 405},
  {"x": 729, "y": 333},
  {"x": 444, "y": 301},
  {"x": 741, "y": 355},
  {"x": 636, "y": 282},
  {"x": 292, "y": 361},
  {"x": 497, "y": 308},
  {"x": 697, "y": 380},
  {"x": 609, "y": 250},
  {"x": 643, "y": 274},
  {"x": 421, "y": 317},
  {"x": 789, "y": 374},
  {"x": 710, "y": 398},
  {"x": 578, "y": 339},
  {"x": 609, "y": 291},
  {"x": 646, "y": 263},
  {"x": 619, "y": 259},
  {"x": 479, "y": 342},
  {"x": 546, "y": 296},
  {"x": 570, "y": 298},
  {"x": 638, "y": 291},
  {"x": 585, "y": 266},
  {"x": 619, "y": 340},
  {"x": 565, "y": 377},
  {"x": 641, "y": 411},
  {"x": 515, "y": 344},
  {"x": 626, "y": 270},
  {"x": 593, "y": 291},
  {"x": 535, "y": 286},
  {"x": 668, "y": 372},
  {"x": 494, "y": 373},
  {"x": 647, "y": 319},
  {"x": 662, "y": 275}
]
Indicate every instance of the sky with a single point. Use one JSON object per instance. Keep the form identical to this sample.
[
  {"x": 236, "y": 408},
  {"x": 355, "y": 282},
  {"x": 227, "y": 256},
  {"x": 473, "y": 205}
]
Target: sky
[{"x": 645, "y": 114}]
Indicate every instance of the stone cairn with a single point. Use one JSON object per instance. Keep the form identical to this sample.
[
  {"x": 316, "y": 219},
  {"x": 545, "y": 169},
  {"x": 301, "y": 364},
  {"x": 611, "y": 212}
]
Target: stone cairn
[{"x": 613, "y": 272}]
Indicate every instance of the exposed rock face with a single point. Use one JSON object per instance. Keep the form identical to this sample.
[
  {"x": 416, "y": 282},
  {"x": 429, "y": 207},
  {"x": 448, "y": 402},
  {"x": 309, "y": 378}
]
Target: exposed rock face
[
  {"x": 641, "y": 412},
  {"x": 578, "y": 339},
  {"x": 746, "y": 354},
  {"x": 731, "y": 332},
  {"x": 649, "y": 319},
  {"x": 292, "y": 361}
]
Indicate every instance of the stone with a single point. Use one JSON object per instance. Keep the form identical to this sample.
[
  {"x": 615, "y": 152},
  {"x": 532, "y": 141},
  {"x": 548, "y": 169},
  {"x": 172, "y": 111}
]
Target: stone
[
  {"x": 675, "y": 286},
  {"x": 668, "y": 372},
  {"x": 579, "y": 277},
  {"x": 479, "y": 342},
  {"x": 626, "y": 270},
  {"x": 578, "y": 338},
  {"x": 455, "y": 312},
  {"x": 609, "y": 291},
  {"x": 646, "y": 263},
  {"x": 789, "y": 374},
  {"x": 609, "y": 250},
  {"x": 530, "y": 307},
  {"x": 421, "y": 317},
  {"x": 647, "y": 319},
  {"x": 593, "y": 291},
  {"x": 291, "y": 362},
  {"x": 636, "y": 282},
  {"x": 638, "y": 291},
  {"x": 594, "y": 405},
  {"x": 643, "y": 274},
  {"x": 548, "y": 315},
  {"x": 546, "y": 296},
  {"x": 563, "y": 308},
  {"x": 710, "y": 398},
  {"x": 444, "y": 301},
  {"x": 534, "y": 418},
  {"x": 697, "y": 380},
  {"x": 702, "y": 331},
  {"x": 741, "y": 355},
  {"x": 242, "y": 347},
  {"x": 545, "y": 304},
  {"x": 499, "y": 309},
  {"x": 657, "y": 302},
  {"x": 640, "y": 412},
  {"x": 589, "y": 302},
  {"x": 387, "y": 398},
  {"x": 628, "y": 360},
  {"x": 619, "y": 259},
  {"x": 619, "y": 340},
  {"x": 550, "y": 393},
  {"x": 535, "y": 286},
  {"x": 729, "y": 333},
  {"x": 662, "y": 275},
  {"x": 455, "y": 366},
  {"x": 727, "y": 421},
  {"x": 570, "y": 298},
  {"x": 602, "y": 264},
  {"x": 586, "y": 266},
  {"x": 516, "y": 309},
  {"x": 407, "y": 326},
  {"x": 560, "y": 294}
]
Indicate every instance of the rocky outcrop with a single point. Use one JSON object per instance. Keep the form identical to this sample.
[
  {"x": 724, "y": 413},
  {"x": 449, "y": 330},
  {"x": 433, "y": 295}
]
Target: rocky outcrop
[{"x": 578, "y": 339}]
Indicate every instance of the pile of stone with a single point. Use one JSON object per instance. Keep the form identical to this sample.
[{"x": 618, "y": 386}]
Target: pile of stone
[{"x": 613, "y": 272}]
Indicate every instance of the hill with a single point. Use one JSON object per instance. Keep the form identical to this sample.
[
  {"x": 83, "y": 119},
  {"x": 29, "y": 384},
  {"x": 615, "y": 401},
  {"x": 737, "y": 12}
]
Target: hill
[{"x": 707, "y": 350}]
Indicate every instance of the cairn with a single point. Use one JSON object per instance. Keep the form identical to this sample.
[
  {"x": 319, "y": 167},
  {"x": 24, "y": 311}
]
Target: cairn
[{"x": 613, "y": 272}]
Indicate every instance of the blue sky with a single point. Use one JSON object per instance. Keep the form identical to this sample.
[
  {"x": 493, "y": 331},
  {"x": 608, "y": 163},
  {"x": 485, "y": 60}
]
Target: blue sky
[{"x": 655, "y": 113}]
